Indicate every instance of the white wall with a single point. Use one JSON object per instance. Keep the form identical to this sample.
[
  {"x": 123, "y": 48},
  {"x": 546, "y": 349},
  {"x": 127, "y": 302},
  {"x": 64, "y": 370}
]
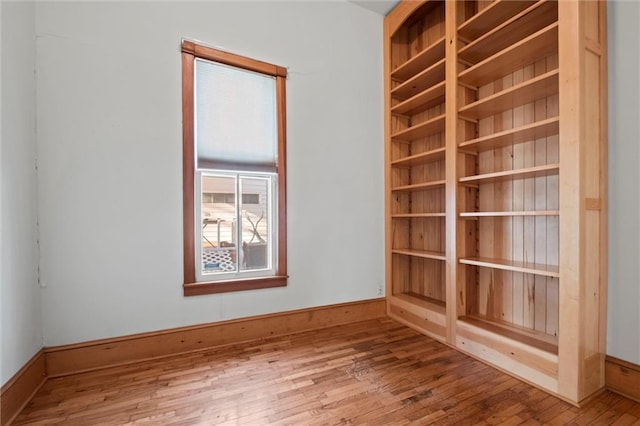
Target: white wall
[
  {"x": 624, "y": 175},
  {"x": 20, "y": 307},
  {"x": 109, "y": 144}
]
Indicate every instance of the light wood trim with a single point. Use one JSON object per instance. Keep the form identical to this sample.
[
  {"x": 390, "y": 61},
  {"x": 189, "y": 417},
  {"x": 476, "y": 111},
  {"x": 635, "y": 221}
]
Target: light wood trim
[
  {"x": 417, "y": 322},
  {"x": 281, "y": 96},
  {"x": 420, "y": 253},
  {"x": 98, "y": 354},
  {"x": 217, "y": 55},
  {"x": 213, "y": 287},
  {"x": 604, "y": 180},
  {"x": 453, "y": 234},
  {"x": 622, "y": 377},
  {"x": 188, "y": 169},
  {"x": 529, "y": 363},
  {"x": 511, "y": 265},
  {"x": 396, "y": 17},
  {"x": 19, "y": 390},
  {"x": 432, "y": 309},
  {"x": 191, "y": 51}
]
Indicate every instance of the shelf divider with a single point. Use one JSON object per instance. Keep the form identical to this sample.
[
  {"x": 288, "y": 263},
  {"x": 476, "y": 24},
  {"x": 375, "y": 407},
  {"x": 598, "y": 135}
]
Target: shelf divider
[
  {"x": 511, "y": 265},
  {"x": 537, "y": 339},
  {"x": 528, "y": 91},
  {"x": 526, "y": 51},
  {"x": 474, "y": 215},
  {"x": 417, "y": 215},
  {"x": 538, "y": 130},
  {"x": 421, "y": 253},
  {"x": 530, "y": 20},
  {"x": 422, "y": 60},
  {"x": 424, "y": 100},
  {"x": 419, "y": 159},
  {"x": 491, "y": 16},
  {"x": 419, "y": 186},
  {"x": 426, "y": 128},
  {"x": 427, "y": 78},
  {"x": 528, "y": 172}
]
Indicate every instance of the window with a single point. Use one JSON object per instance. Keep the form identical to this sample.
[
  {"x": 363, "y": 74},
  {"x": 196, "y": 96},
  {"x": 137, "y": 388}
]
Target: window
[{"x": 234, "y": 172}]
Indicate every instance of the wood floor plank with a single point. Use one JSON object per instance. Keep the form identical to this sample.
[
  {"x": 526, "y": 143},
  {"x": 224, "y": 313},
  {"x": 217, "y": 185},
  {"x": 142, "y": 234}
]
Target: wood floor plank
[{"x": 372, "y": 372}]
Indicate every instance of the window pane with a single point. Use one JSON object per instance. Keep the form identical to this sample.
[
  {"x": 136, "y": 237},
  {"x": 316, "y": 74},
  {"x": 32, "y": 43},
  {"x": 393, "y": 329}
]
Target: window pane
[
  {"x": 255, "y": 222},
  {"x": 218, "y": 225},
  {"x": 235, "y": 117}
]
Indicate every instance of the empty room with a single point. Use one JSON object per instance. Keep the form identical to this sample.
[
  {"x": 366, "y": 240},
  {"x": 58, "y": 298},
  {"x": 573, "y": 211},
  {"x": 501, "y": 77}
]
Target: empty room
[{"x": 320, "y": 212}]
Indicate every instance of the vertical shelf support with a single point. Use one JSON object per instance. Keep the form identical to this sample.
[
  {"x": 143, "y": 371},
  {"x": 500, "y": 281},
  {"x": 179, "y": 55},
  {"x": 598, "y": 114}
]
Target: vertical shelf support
[{"x": 455, "y": 295}]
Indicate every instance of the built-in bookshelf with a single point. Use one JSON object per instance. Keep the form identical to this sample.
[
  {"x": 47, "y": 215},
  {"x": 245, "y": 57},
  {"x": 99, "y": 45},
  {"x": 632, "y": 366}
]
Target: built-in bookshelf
[{"x": 496, "y": 183}]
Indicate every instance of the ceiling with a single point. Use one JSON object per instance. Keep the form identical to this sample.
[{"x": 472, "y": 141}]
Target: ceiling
[{"x": 379, "y": 6}]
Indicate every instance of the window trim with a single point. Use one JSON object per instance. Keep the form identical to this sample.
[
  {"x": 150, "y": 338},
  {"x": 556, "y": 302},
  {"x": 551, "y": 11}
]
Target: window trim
[{"x": 191, "y": 51}]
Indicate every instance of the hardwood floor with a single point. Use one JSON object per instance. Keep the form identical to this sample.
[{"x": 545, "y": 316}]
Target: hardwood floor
[{"x": 372, "y": 372}]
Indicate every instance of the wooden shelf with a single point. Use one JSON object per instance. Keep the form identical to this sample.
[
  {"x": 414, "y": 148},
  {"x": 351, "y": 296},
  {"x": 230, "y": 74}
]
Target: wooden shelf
[
  {"x": 475, "y": 215},
  {"x": 491, "y": 16},
  {"x": 512, "y": 69},
  {"x": 528, "y": 132},
  {"x": 423, "y": 301},
  {"x": 528, "y": 172},
  {"x": 528, "y": 91},
  {"x": 525, "y": 52},
  {"x": 419, "y": 159},
  {"x": 424, "y": 100},
  {"x": 417, "y": 215},
  {"x": 511, "y": 265},
  {"x": 420, "y": 253},
  {"x": 427, "y": 78},
  {"x": 525, "y": 23},
  {"x": 537, "y": 339},
  {"x": 419, "y": 186},
  {"x": 422, "y": 60},
  {"x": 426, "y": 128}
]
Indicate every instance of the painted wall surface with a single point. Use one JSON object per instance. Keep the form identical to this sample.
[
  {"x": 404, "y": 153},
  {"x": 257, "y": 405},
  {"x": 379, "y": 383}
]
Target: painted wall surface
[
  {"x": 109, "y": 156},
  {"x": 623, "y": 333},
  {"x": 21, "y": 310}
]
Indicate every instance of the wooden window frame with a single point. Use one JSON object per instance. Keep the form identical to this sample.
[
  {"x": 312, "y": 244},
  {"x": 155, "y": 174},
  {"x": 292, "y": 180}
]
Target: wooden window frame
[{"x": 191, "y": 51}]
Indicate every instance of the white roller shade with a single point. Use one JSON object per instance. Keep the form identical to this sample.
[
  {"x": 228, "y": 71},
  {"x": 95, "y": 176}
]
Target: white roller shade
[{"x": 235, "y": 116}]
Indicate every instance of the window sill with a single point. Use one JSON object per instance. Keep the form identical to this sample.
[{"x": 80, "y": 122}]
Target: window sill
[{"x": 212, "y": 287}]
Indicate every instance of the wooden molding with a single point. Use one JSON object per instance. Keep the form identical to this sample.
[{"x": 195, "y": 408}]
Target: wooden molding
[
  {"x": 622, "y": 377},
  {"x": 191, "y": 51},
  {"x": 98, "y": 354},
  {"x": 19, "y": 390}
]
